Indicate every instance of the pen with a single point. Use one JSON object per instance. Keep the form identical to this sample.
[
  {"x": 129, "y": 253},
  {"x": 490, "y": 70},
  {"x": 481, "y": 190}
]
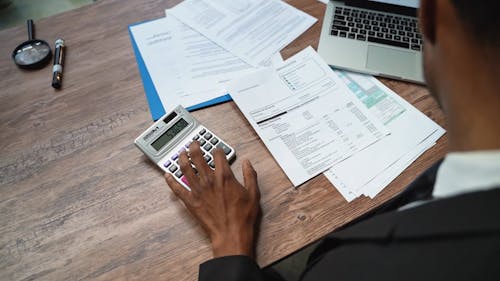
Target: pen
[{"x": 58, "y": 64}]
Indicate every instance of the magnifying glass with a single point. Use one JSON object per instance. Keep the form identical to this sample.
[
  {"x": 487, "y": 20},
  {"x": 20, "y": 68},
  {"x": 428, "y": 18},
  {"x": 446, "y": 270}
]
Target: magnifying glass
[{"x": 32, "y": 54}]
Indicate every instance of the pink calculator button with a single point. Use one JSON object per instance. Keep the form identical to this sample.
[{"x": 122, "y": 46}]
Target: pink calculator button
[{"x": 184, "y": 180}]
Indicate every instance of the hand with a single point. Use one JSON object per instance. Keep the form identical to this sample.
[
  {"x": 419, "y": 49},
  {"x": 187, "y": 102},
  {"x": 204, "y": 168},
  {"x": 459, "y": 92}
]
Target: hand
[{"x": 227, "y": 210}]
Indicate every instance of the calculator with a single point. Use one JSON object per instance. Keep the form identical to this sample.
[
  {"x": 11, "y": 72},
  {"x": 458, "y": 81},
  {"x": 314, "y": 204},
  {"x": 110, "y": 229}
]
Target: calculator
[{"x": 172, "y": 134}]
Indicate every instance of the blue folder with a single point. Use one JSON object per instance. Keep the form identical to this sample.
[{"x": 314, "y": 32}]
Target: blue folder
[{"x": 155, "y": 105}]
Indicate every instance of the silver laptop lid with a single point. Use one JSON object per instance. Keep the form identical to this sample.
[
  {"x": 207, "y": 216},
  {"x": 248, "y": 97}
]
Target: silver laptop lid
[{"x": 373, "y": 56}]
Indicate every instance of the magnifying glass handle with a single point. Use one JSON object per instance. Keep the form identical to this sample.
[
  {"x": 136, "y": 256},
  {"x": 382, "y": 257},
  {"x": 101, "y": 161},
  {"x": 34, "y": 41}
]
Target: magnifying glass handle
[{"x": 30, "y": 30}]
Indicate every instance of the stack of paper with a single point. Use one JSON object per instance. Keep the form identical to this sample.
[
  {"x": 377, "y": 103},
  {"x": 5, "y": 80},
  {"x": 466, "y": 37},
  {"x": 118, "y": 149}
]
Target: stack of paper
[
  {"x": 313, "y": 119},
  {"x": 189, "y": 56},
  {"x": 412, "y": 133}
]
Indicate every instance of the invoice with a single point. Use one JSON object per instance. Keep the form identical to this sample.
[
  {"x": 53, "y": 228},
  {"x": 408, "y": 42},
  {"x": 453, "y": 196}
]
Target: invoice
[
  {"x": 412, "y": 133},
  {"x": 305, "y": 115}
]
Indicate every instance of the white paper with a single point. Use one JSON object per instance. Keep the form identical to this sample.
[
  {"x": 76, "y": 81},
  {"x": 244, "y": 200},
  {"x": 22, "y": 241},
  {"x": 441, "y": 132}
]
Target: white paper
[
  {"x": 382, "y": 180},
  {"x": 276, "y": 60},
  {"x": 375, "y": 186},
  {"x": 408, "y": 126},
  {"x": 186, "y": 68},
  {"x": 369, "y": 171},
  {"x": 254, "y": 30},
  {"x": 305, "y": 115}
]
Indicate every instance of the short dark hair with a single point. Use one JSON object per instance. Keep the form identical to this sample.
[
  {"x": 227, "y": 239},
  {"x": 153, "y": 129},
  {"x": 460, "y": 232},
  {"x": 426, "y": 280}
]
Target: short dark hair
[{"x": 482, "y": 18}]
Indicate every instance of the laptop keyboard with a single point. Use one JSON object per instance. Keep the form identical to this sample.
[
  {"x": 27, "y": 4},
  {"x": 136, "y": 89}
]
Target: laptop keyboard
[{"x": 370, "y": 26}]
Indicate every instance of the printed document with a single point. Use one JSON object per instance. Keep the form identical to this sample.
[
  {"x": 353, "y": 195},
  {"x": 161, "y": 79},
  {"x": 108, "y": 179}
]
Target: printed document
[
  {"x": 412, "y": 133},
  {"x": 253, "y": 30},
  {"x": 382, "y": 180},
  {"x": 305, "y": 115},
  {"x": 186, "y": 68}
]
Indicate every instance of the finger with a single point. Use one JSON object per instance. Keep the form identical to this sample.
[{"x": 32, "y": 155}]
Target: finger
[
  {"x": 178, "y": 189},
  {"x": 250, "y": 180},
  {"x": 188, "y": 172},
  {"x": 198, "y": 161},
  {"x": 222, "y": 169}
]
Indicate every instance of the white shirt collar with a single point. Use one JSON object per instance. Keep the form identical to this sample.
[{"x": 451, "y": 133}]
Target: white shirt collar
[{"x": 464, "y": 172}]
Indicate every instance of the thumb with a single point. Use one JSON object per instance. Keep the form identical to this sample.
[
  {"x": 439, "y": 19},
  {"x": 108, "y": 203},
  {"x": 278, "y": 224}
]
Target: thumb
[{"x": 250, "y": 179}]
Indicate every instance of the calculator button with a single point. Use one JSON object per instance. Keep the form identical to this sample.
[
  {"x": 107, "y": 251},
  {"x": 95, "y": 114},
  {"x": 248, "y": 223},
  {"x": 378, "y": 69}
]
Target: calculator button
[
  {"x": 202, "y": 132},
  {"x": 185, "y": 181},
  {"x": 196, "y": 137},
  {"x": 202, "y": 142},
  {"x": 175, "y": 156},
  {"x": 214, "y": 141},
  {"x": 225, "y": 148},
  {"x": 207, "y": 158},
  {"x": 179, "y": 174},
  {"x": 208, "y": 136},
  {"x": 212, "y": 165},
  {"x": 187, "y": 144},
  {"x": 181, "y": 150},
  {"x": 168, "y": 163},
  {"x": 207, "y": 147},
  {"x": 172, "y": 168}
]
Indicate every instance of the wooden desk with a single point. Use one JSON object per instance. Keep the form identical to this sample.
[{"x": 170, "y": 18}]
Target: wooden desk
[{"x": 78, "y": 201}]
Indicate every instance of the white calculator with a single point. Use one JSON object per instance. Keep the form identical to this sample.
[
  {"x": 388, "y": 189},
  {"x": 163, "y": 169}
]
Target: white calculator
[{"x": 172, "y": 134}]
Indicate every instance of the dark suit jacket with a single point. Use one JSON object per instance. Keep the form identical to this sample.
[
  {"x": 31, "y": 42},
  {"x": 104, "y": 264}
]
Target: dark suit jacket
[{"x": 451, "y": 239}]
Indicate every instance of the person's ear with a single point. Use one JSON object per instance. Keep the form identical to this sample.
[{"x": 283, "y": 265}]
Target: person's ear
[{"x": 427, "y": 14}]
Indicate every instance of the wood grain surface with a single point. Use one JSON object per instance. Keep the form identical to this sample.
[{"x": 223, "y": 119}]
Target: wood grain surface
[{"x": 79, "y": 202}]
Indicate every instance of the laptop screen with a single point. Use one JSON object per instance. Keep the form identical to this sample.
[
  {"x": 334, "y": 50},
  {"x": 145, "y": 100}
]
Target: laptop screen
[
  {"x": 406, "y": 3},
  {"x": 404, "y": 7}
]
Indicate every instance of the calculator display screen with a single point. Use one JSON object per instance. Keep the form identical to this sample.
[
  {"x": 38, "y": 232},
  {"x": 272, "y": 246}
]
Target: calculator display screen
[{"x": 169, "y": 134}]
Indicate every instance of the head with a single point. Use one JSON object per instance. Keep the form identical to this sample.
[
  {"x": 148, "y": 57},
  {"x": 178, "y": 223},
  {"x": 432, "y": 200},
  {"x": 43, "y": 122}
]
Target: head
[
  {"x": 457, "y": 33},
  {"x": 461, "y": 61}
]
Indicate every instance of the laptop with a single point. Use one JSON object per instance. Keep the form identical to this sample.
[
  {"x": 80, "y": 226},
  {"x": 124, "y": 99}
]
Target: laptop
[{"x": 378, "y": 37}]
